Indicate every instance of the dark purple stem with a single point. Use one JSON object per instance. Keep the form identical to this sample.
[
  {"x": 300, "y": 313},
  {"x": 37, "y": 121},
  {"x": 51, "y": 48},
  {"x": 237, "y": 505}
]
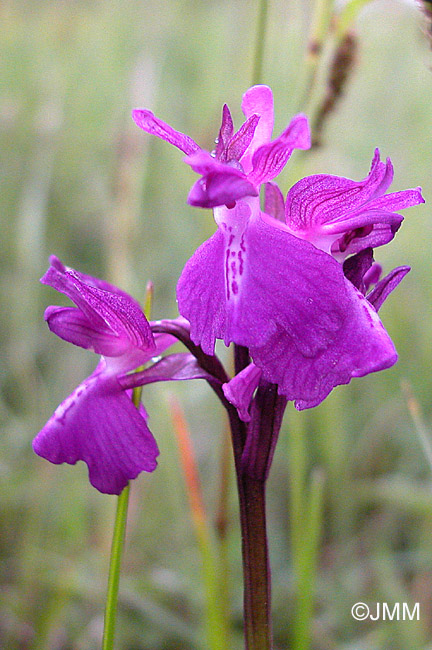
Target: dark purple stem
[
  {"x": 253, "y": 453},
  {"x": 253, "y": 446}
]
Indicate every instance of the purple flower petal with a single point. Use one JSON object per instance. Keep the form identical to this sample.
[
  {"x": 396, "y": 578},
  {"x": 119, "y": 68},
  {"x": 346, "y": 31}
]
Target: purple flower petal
[
  {"x": 274, "y": 204},
  {"x": 225, "y": 132},
  {"x": 397, "y": 200},
  {"x": 99, "y": 424},
  {"x": 174, "y": 367},
  {"x": 384, "y": 288},
  {"x": 359, "y": 220},
  {"x": 240, "y": 389},
  {"x": 220, "y": 188},
  {"x": 258, "y": 100},
  {"x": 356, "y": 266},
  {"x": 201, "y": 293},
  {"x": 322, "y": 207},
  {"x": 317, "y": 330},
  {"x": 286, "y": 283},
  {"x": 322, "y": 199},
  {"x": 90, "y": 279},
  {"x": 269, "y": 160},
  {"x": 70, "y": 324},
  {"x": 307, "y": 327},
  {"x": 362, "y": 346},
  {"x": 281, "y": 282},
  {"x": 370, "y": 236},
  {"x": 242, "y": 139},
  {"x": 153, "y": 125},
  {"x": 103, "y": 309}
]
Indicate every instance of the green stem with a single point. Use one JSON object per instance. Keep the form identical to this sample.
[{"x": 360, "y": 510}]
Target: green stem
[
  {"x": 259, "y": 45},
  {"x": 117, "y": 550},
  {"x": 114, "y": 570}
]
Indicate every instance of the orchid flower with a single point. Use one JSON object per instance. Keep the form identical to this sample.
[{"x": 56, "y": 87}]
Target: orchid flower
[
  {"x": 241, "y": 161},
  {"x": 98, "y": 423},
  {"x": 272, "y": 280},
  {"x": 341, "y": 216}
]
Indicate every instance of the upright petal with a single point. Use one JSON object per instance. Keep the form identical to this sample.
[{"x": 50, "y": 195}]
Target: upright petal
[
  {"x": 269, "y": 160},
  {"x": 153, "y": 125},
  {"x": 99, "y": 424},
  {"x": 225, "y": 132},
  {"x": 321, "y": 200},
  {"x": 258, "y": 100},
  {"x": 242, "y": 139}
]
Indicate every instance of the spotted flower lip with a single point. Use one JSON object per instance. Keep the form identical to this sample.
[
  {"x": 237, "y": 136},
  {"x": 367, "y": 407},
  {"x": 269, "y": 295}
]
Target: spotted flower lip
[
  {"x": 98, "y": 423},
  {"x": 241, "y": 161},
  {"x": 361, "y": 271}
]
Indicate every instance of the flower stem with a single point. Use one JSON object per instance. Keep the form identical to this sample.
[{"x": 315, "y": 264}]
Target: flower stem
[
  {"x": 256, "y": 567},
  {"x": 114, "y": 570},
  {"x": 256, "y": 570},
  {"x": 259, "y": 45}
]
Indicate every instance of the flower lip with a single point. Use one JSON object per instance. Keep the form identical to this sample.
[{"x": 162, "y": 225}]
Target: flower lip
[{"x": 99, "y": 424}]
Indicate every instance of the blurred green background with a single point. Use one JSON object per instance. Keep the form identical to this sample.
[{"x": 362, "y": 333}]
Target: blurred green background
[{"x": 80, "y": 180}]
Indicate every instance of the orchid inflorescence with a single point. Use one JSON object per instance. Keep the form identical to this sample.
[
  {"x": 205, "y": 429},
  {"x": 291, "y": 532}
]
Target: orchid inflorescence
[{"x": 290, "y": 281}]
